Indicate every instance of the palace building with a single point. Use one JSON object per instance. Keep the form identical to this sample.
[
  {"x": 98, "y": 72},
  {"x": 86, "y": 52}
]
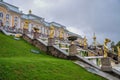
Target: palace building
[{"x": 13, "y": 19}]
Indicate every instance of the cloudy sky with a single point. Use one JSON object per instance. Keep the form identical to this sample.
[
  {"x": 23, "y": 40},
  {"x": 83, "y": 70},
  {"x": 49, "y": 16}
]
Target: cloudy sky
[{"x": 80, "y": 16}]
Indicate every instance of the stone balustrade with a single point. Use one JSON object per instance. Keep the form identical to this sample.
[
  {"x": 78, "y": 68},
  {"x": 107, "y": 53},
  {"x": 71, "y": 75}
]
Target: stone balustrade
[{"x": 51, "y": 50}]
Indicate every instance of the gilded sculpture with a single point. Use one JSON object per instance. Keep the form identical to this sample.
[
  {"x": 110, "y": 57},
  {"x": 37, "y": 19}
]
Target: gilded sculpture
[
  {"x": 30, "y": 11},
  {"x": 94, "y": 39},
  {"x": 26, "y": 24},
  {"x": 105, "y": 47},
  {"x": 61, "y": 34},
  {"x": 80, "y": 42},
  {"x": 52, "y": 31},
  {"x": 118, "y": 48},
  {"x": 85, "y": 41}
]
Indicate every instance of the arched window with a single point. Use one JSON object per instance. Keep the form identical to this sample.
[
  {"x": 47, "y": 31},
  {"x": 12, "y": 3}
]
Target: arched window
[
  {"x": 0, "y": 21},
  {"x": 7, "y": 23},
  {"x": 31, "y": 25},
  {"x": 16, "y": 19},
  {"x": 7, "y": 16},
  {"x": 1, "y": 15},
  {"x": 15, "y": 24}
]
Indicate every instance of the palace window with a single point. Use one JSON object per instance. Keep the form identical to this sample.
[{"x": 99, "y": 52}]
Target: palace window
[
  {"x": 0, "y": 21},
  {"x": 15, "y": 24},
  {"x": 31, "y": 25},
  {"x": 16, "y": 19},
  {"x": 7, "y": 23},
  {"x": 7, "y": 16},
  {"x": 1, "y": 15}
]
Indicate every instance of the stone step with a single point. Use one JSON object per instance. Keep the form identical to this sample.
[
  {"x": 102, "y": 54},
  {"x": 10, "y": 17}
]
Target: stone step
[{"x": 96, "y": 71}]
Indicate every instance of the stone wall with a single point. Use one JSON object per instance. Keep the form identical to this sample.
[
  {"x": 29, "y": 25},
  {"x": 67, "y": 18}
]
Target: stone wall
[
  {"x": 57, "y": 52},
  {"x": 39, "y": 45},
  {"x": 50, "y": 50},
  {"x": 36, "y": 43},
  {"x": 28, "y": 39}
]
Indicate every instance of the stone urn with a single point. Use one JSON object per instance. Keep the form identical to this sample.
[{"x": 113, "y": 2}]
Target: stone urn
[
  {"x": 36, "y": 29},
  {"x": 72, "y": 39}
]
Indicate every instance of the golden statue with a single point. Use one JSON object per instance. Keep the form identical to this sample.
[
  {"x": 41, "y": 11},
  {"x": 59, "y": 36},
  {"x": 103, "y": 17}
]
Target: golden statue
[
  {"x": 61, "y": 35},
  {"x": 118, "y": 48},
  {"x": 26, "y": 24},
  {"x": 106, "y": 47},
  {"x": 80, "y": 42},
  {"x": 85, "y": 41},
  {"x": 52, "y": 31},
  {"x": 94, "y": 39},
  {"x": 30, "y": 11}
]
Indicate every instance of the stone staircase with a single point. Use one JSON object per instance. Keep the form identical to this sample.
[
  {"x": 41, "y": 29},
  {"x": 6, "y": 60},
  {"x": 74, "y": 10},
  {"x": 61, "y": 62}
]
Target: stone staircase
[{"x": 63, "y": 52}]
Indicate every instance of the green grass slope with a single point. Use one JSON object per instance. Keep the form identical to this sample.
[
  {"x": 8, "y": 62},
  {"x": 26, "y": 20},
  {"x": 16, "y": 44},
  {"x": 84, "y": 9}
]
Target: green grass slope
[{"x": 18, "y": 63}]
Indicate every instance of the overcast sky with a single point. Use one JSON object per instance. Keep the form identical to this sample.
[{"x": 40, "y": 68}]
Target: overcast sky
[{"x": 80, "y": 16}]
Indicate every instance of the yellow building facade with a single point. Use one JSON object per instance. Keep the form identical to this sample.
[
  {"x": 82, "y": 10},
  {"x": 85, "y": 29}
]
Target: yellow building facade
[
  {"x": 11, "y": 17},
  {"x": 8, "y": 17}
]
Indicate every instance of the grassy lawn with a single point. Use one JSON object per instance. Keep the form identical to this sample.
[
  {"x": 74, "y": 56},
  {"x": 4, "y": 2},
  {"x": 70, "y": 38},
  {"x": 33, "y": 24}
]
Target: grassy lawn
[{"x": 17, "y": 62}]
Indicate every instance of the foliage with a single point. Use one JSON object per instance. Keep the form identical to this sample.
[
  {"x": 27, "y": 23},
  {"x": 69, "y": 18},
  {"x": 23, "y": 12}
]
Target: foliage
[
  {"x": 118, "y": 44},
  {"x": 115, "y": 47},
  {"x": 72, "y": 38},
  {"x": 112, "y": 44},
  {"x": 36, "y": 29}
]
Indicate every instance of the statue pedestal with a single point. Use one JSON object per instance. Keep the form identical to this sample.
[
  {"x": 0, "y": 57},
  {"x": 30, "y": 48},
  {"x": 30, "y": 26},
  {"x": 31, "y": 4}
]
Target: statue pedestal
[
  {"x": 25, "y": 31},
  {"x": 72, "y": 50},
  {"x": 36, "y": 35},
  {"x": 51, "y": 41},
  {"x": 85, "y": 47},
  {"x": 118, "y": 59},
  {"x": 61, "y": 39},
  {"x": 106, "y": 64}
]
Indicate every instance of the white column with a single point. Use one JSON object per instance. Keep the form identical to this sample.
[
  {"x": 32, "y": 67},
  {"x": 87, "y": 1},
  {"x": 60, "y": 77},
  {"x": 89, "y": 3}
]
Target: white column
[
  {"x": 30, "y": 27},
  {"x": 19, "y": 20},
  {"x": 10, "y": 21},
  {"x": 45, "y": 31},
  {"x": 42, "y": 30}
]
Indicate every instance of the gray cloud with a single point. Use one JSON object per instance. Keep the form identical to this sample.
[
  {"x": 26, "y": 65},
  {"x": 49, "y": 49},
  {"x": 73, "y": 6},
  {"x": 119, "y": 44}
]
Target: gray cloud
[{"x": 86, "y": 16}]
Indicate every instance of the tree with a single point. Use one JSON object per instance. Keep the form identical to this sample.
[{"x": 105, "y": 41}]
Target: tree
[
  {"x": 118, "y": 44},
  {"x": 112, "y": 44},
  {"x": 115, "y": 47}
]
